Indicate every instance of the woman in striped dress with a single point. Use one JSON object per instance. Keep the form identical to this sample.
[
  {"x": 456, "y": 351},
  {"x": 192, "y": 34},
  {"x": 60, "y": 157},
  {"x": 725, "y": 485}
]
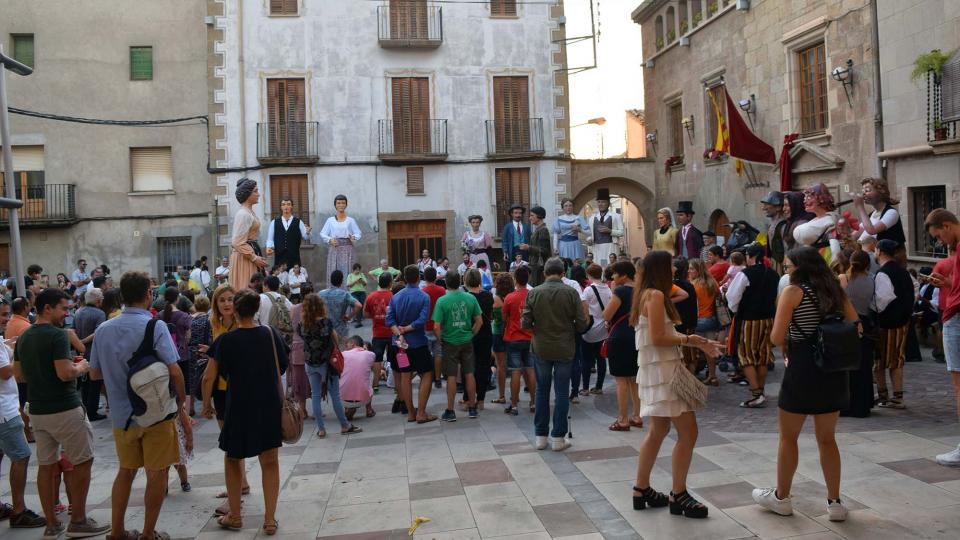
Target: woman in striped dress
[{"x": 341, "y": 233}]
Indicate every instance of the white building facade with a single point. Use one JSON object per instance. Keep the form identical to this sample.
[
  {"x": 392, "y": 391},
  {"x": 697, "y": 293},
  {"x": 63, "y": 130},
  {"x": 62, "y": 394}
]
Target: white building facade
[{"x": 421, "y": 114}]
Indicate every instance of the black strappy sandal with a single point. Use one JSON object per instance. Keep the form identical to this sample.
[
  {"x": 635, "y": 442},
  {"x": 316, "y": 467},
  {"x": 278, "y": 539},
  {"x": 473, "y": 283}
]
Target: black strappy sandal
[
  {"x": 649, "y": 496},
  {"x": 684, "y": 503}
]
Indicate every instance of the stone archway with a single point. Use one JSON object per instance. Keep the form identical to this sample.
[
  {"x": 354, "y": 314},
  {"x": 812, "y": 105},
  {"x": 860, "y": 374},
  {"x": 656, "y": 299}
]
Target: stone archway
[{"x": 635, "y": 212}]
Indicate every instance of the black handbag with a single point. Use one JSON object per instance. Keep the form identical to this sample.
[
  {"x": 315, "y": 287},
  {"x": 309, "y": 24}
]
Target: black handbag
[{"x": 835, "y": 343}]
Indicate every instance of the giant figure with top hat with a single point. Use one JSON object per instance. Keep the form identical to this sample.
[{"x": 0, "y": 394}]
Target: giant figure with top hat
[
  {"x": 689, "y": 238},
  {"x": 606, "y": 227}
]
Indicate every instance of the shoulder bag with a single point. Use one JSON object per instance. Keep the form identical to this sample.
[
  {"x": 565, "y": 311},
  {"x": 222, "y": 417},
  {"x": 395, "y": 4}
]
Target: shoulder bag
[
  {"x": 336, "y": 358},
  {"x": 688, "y": 387},
  {"x": 605, "y": 348},
  {"x": 594, "y": 328},
  {"x": 291, "y": 416},
  {"x": 835, "y": 343},
  {"x": 722, "y": 310}
]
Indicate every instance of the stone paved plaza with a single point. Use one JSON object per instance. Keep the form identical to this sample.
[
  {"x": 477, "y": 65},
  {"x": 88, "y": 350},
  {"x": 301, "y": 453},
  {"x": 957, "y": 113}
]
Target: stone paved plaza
[{"x": 483, "y": 479}]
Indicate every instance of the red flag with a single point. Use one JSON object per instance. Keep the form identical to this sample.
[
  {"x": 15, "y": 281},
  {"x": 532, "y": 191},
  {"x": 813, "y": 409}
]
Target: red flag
[
  {"x": 786, "y": 180},
  {"x": 743, "y": 143}
]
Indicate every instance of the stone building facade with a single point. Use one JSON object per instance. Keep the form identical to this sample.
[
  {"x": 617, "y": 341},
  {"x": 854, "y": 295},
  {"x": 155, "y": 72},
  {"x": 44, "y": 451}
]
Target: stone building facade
[
  {"x": 133, "y": 198},
  {"x": 780, "y": 55},
  {"x": 421, "y": 113},
  {"x": 921, "y": 145}
]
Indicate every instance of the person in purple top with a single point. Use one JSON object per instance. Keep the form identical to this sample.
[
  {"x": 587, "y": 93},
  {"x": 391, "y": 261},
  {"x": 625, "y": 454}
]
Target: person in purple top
[{"x": 407, "y": 319}]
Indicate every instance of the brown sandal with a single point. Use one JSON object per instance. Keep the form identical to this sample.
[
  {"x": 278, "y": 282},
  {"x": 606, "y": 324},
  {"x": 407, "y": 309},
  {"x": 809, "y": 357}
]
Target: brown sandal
[
  {"x": 636, "y": 423},
  {"x": 229, "y": 522},
  {"x": 617, "y": 426},
  {"x": 428, "y": 418},
  {"x": 270, "y": 529}
]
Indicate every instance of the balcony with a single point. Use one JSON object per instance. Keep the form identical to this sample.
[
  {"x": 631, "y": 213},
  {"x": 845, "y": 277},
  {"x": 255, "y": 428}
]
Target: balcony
[
  {"x": 290, "y": 143},
  {"x": 413, "y": 141},
  {"x": 404, "y": 25},
  {"x": 943, "y": 110},
  {"x": 514, "y": 137},
  {"x": 46, "y": 205}
]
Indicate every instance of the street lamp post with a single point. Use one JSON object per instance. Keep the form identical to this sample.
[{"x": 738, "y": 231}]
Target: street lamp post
[{"x": 10, "y": 202}]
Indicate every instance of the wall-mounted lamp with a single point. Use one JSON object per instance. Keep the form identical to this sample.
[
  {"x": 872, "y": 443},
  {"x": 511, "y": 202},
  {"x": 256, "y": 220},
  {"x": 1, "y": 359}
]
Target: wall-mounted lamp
[
  {"x": 749, "y": 106},
  {"x": 652, "y": 140},
  {"x": 649, "y": 64},
  {"x": 688, "y": 125},
  {"x": 844, "y": 75}
]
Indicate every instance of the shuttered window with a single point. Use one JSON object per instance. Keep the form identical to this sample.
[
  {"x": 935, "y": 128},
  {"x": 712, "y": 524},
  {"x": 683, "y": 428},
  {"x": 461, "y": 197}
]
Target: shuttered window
[
  {"x": 152, "y": 168},
  {"x": 676, "y": 129},
  {"x": 286, "y": 114},
  {"x": 812, "y": 78},
  {"x": 23, "y": 48},
  {"x": 293, "y": 187},
  {"x": 415, "y": 181},
  {"x": 141, "y": 63},
  {"x": 511, "y": 112},
  {"x": 512, "y": 187},
  {"x": 28, "y": 170},
  {"x": 503, "y": 8},
  {"x": 950, "y": 91},
  {"x": 411, "y": 115},
  {"x": 26, "y": 158},
  {"x": 284, "y": 7},
  {"x": 408, "y": 19}
]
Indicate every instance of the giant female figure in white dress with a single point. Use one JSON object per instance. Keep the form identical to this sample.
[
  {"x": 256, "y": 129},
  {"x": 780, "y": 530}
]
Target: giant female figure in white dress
[{"x": 341, "y": 233}]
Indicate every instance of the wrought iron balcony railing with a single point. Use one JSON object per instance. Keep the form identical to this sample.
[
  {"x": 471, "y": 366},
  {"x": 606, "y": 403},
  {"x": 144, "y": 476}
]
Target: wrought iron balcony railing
[
  {"x": 288, "y": 142},
  {"x": 405, "y": 24},
  {"x": 45, "y": 205},
  {"x": 511, "y": 137},
  {"x": 413, "y": 140}
]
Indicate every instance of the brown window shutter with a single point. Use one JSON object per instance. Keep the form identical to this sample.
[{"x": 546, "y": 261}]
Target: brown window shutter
[
  {"x": 293, "y": 187},
  {"x": 420, "y": 94},
  {"x": 415, "y": 181},
  {"x": 284, "y": 7},
  {"x": 503, "y": 8},
  {"x": 411, "y": 114},
  {"x": 512, "y": 187},
  {"x": 511, "y": 105}
]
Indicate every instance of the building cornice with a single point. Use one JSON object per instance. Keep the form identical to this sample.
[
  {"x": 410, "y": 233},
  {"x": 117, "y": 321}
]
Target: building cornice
[{"x": 646, "y": 9}]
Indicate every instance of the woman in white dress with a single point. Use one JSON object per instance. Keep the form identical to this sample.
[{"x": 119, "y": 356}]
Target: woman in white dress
[
  {"x": 658, "y": 358},
  {"x": 819, "y": 231},
  {"x": 340, "y": 232},
  {"x": 566, "y": 233},
  {"x": 476, "y": 242}
]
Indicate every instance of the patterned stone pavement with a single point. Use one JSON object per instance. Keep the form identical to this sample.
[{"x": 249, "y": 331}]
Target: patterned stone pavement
[{"x": 483, "y": 479}]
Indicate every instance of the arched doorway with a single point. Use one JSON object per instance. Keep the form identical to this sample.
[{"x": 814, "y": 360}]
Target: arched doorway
[
  {"x": 631, "y": 200},
  {"x": 718, "y": 224}
]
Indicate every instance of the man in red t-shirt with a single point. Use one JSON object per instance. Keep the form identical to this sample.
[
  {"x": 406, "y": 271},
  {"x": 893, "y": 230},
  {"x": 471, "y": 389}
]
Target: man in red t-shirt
[
  {"x": 434, "y": 291},
  {"x": 944, "y": 226},
  {"x": 517, "y": 342},
  {"x": 716, "y": 265},
  {"x": 375, "y": 308}
]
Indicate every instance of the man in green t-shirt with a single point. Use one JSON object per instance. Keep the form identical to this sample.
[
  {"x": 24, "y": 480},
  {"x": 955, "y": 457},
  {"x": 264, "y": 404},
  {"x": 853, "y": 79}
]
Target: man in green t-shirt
[
  {"x": 457, "y": 318},
  {"x": 384, "y": 267},
  {"x": 357, "y": 285},
  {"x": 43, "y": 358}
]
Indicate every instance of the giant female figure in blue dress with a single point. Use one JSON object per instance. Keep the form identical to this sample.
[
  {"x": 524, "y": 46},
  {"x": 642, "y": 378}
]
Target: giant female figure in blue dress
[{"x": 566, "y": 232}]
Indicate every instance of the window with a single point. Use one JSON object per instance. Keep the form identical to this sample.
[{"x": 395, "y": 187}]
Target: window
[
  {"x": 293, "y": 187},
  {"x": 676, "y": 129},
  {"x": 174, "y": 253},
  {"x": 503, "y": 8},
  {"x": 28, "y": 174},
  {"x": 511, "y": 112},
  {"x": 812, "y": 73},
  {"x": 283, "y": 7},
  {"x": 512, "y": 187},
  {"x": 923, "y": 200},
  {"x": 721, "y": 101},
  {"x": 411, "y": 115},
  {"x": 407, "y": 239},
  {"x": 23, "y": 48},
  {"x": 286, "y": 117},
  {"x": 141, "y": 63},
  {"x": 408, "y": 19},
  {"x": 152, "y": 168},
  {"x": 415, "y": 181}
]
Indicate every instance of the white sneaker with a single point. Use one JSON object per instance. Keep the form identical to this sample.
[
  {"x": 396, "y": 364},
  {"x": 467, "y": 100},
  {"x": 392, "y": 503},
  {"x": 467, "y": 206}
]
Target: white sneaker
[
  {"x": 836, "y": 511},
  {"x": 767, "y": 498},
  {"x": 950, "y": 459},
  {"x": 559, "y": 444},
  {"x": 541, "y": 442}
]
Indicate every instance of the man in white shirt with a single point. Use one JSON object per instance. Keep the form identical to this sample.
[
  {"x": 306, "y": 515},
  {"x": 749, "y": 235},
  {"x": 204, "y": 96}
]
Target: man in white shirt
[
  {"x": 201, "y": 276},
  {"x": 285, "y": 234},
  {"x": 295, "y": 278},
  {"x": 223, "y": 271},
  {"x": 894, "y": 299},
  {"x": 443, "y": 267},
  {"x": 467, "y": 264},
  {"x": 80, "y": 277},
  {"x": 425, "y": 261},
  {"x": 271, "y": 288}
]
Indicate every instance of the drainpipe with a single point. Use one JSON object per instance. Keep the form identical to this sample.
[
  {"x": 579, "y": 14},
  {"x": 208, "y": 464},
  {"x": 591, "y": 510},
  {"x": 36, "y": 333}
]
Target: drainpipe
[
  {"x": 878, "y": 94},
  {"x": 243, "y": 81}
]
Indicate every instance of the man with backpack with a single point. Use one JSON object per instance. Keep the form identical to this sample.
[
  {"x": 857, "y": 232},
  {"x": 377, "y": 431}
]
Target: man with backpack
[
  {"x": 137, "y": 360},
  {"x": 341, "y": 306},
  {"x": 275, "y": 309}
]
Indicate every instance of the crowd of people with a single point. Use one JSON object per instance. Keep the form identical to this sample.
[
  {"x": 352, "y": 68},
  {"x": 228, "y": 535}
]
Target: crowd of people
[{"x": 554, "y": 325}]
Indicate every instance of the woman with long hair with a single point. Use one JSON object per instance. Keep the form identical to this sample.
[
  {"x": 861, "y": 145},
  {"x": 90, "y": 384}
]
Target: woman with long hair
[
  {"x": 859, "y": 285},
  {"x": 795, "y": 215},
  {"x": 297, "y": 378},
  {"x": 504, "y": 285},
  {"x": 707, "y": 323},
  {"x": 179, "y": 322},
  {"x": 319, "y": 339},
  {"x": 112, "y": 302},
  {"x": 654, "y": 317},
  {"x": 621, "y": 349},
  {"x": 252, "y": 358},
  {"x": 665, "y": 236},
  {"x": 814, "y": 292}
]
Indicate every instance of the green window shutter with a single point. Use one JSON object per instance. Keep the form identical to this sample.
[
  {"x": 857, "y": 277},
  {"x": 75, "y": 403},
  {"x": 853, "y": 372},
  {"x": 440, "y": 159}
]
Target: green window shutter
[
  {"x": 141, "y": 63},
  {"x": 23, "y": 49}
]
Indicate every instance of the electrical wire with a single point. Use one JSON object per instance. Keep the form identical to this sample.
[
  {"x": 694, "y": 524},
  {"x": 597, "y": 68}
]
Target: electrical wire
[{"x": 132, "y": 123}]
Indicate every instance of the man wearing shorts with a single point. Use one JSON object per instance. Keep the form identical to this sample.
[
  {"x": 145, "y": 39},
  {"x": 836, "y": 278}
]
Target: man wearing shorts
[
  {"x": 407, "y": 318},
  {"x": 434, "y": 291},
  {"x": 154, "y": 448},
  {"x": 457, "y": 318},
  {"x": 375, "y": 308},
  {"x": 43, "y": 358},
  {"x": 944, "y": 226},
  {"x": 517, "y": 341},
  {"x": 13, "y": 442}
]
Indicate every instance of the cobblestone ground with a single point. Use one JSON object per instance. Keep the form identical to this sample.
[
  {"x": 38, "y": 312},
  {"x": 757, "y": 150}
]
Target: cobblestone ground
[{"x": 483, "y": 479}]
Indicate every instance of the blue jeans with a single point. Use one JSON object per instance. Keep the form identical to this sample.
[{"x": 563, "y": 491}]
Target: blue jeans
[
  {"x": 360, "y": 296},
  {"x": 951, "y": 343},
  {"x": 556, "y": 373},
  {"x": 317, "y": 374},
  {"x": 576, "y": 368}
]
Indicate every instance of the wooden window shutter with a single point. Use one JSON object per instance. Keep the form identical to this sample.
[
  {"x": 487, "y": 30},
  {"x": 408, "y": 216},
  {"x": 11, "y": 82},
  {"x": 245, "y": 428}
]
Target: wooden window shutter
[
  {"x": 23, "y": 49},
  {"x": 152, "y": 168},
  {"x": 408, "y": 19},
  {"x": 512, "y": 187},
  {"x": 503, "y": 8},
  {"x": 411, "y": 114},
  {"x": 950, "y": 91},
  {"x": 141, "y": 63},
  {"x": 293, "y": 187},
  {"x": 283, "y": 7},
  {"x": 511, "y": 103},
  {"x": 415, "y": 181},
  {"x": 286, "y": 116}
]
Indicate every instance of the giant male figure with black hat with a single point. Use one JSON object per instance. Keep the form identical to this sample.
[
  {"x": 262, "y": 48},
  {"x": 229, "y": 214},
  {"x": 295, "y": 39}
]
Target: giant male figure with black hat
[
  {"x": 606, "y": 227},
  {"x": 540, "y": 247},
  {"x": 285, "y": 234},
  {"x": 772, "y": 206},
  {"x": 689, "y": 238},
  {"x": 515, "y": 237}
]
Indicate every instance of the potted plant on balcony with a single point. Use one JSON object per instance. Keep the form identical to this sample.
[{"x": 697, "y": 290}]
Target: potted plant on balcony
[
  {"x": 671, "y": 35},
  {"x": 711, "y": 9},
  {"x": 697, "y": 17},
  {"x": 940, "y": 132},
  {"x": 683, "y": 27},
  {"x": 671, "y": 162},
  {"x": 932, "y": 61},
  {"x": 659, "y": 43}
]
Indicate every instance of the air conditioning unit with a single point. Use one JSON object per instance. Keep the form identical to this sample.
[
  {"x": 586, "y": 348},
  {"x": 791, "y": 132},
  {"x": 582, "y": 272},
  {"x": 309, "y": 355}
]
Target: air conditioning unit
[{"x": 743, "y": 5}]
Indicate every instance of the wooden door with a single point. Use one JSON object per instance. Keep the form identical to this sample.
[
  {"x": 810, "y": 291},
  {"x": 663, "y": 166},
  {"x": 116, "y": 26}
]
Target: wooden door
[
  {"x": 719, "y": 225},
  {"x": 30, "y": 188},
  {"x": 512, "y": 187},
  {"x": 408, "y": 19},
  {"x": 407, "y": 239},
  {"x": 287, "y": 113},
  {"x": 293, "y": 187},
  {"x": 411, "y": 115},
  {"x": 511, "y": 106},
  {"x": 5, "y": 258}
]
